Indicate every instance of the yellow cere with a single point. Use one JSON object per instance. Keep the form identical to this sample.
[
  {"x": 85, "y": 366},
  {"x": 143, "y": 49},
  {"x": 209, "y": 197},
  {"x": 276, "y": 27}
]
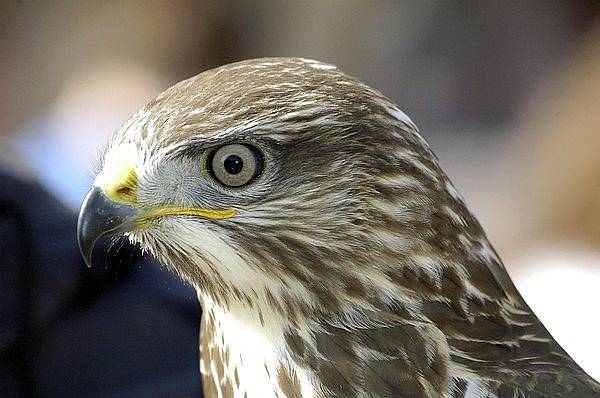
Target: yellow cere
[{"x": 123, "y": 186}]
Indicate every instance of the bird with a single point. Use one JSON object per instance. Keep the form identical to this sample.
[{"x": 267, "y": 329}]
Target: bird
[{"x": 331, "y": 254}]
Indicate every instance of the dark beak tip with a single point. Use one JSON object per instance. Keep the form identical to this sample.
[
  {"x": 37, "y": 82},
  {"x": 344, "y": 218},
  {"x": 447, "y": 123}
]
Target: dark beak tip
[
  {"x": 86, "y": 238},
  {"x": 88, "y": 261},
  {"x": 86, "y": 247},
  {"x": 100, "y": 216}
]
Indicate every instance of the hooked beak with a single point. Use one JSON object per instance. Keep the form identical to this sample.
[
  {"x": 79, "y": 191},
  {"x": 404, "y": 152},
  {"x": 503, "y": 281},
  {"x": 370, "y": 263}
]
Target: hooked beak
[{"x": 101, "y": 216}]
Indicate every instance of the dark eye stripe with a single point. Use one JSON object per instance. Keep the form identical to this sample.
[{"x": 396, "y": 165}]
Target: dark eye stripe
[{"x": 235, "y": 165}]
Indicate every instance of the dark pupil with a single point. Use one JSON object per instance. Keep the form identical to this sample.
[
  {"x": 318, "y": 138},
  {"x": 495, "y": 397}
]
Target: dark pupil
[{"x": 233, "y": 164}]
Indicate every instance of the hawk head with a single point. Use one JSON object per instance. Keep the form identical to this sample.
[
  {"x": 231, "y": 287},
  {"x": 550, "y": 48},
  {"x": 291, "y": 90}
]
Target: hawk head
[{"x": 284, "y": 178}]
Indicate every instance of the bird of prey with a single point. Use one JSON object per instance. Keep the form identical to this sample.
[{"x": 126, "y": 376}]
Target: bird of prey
[{"x": 331, "y": 254}]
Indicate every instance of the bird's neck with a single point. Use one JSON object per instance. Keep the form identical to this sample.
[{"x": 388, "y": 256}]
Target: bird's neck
[{"x": 243, "y": 351}]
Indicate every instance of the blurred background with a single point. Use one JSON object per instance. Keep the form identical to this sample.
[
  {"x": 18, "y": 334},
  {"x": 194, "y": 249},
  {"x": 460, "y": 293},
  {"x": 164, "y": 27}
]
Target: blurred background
[{"x": 507, "y": 93}]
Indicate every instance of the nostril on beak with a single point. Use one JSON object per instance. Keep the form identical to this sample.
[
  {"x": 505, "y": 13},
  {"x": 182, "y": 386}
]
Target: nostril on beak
[
  {"x": 124, "y": 194},
  {"x": 124, "y": 191}
]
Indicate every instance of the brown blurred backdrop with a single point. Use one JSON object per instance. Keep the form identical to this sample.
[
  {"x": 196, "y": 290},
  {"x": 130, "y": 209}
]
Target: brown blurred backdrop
[{"x": 507, "y": 93}]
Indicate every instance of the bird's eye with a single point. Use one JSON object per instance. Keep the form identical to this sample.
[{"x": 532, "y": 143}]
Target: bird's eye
[{"x": 235, "y": 165}]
